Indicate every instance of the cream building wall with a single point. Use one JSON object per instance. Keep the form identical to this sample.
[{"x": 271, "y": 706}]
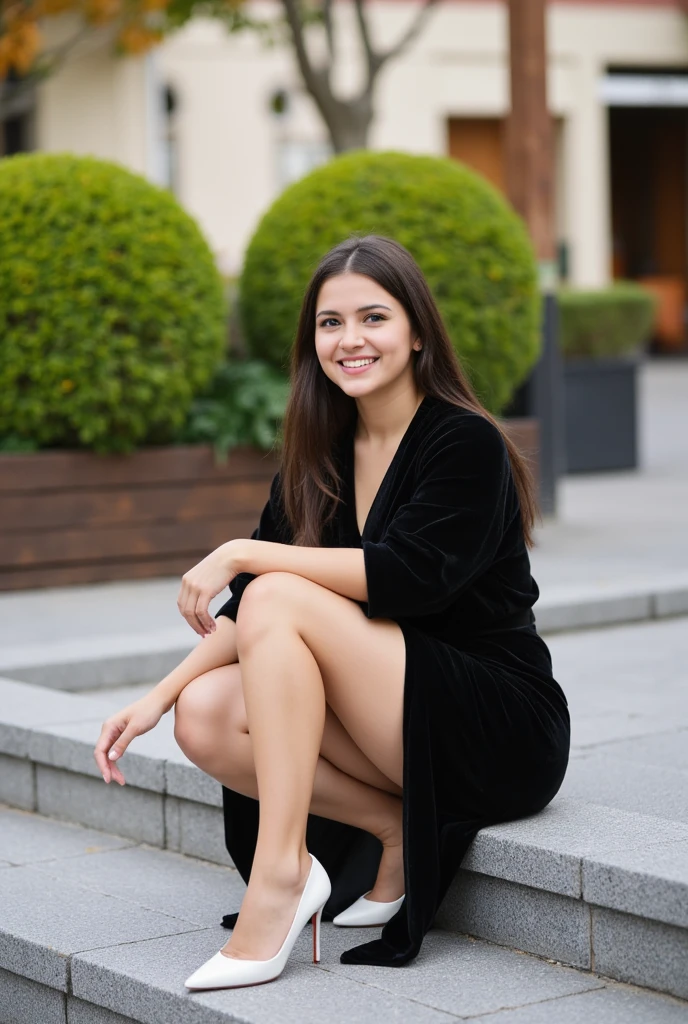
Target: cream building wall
[
  {"x": 233, "y": 156},
  {"x": 95, "y": 104}
]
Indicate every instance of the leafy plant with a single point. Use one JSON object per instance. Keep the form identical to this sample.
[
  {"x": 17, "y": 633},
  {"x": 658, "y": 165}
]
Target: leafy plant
[
  {"x": 606, "y": 321},
  {"x": 112, "y": 312},
  {"x": 244, "y": 405},
  {"x": 472, "y": 247},
  {"x": 13, "y": 444}
]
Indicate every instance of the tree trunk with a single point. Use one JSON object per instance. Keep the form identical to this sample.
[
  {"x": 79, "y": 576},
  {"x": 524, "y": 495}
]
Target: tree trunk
[
  {"x": 349, "y": 123},
  {"x": 529, "y": 135}
]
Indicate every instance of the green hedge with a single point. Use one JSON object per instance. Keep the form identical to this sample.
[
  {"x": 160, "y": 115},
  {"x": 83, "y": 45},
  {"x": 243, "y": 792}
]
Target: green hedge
[
  {"x": 472, "y": 247},
  {"x": 605, "y": 322},
  {"x": 112, "y": 313}
]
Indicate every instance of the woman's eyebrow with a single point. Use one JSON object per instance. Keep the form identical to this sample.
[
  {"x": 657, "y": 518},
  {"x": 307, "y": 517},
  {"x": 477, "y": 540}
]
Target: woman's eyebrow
[{"x": 361, "y": 309}]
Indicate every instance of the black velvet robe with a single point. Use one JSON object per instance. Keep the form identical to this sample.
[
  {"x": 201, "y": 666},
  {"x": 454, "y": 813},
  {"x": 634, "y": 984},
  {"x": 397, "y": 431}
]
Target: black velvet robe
[{"x": 485, "y": 725}]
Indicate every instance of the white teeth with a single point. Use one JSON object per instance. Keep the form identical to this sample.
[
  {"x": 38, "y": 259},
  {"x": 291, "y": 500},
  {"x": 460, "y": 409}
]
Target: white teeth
[{"x": 357, "y": 362}]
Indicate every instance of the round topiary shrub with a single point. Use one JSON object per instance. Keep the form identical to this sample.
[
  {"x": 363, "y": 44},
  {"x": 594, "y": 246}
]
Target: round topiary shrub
[
  {"x": 472, "y": 247},
  {"x": 112, "y": 311}
]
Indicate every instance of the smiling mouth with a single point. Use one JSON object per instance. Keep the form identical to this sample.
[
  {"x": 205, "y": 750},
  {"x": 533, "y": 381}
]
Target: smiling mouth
[{"x": 363, "y": 361}]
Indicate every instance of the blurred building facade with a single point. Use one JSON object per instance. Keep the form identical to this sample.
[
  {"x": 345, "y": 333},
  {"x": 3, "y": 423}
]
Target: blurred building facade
[{"x": 225, "y": 122}]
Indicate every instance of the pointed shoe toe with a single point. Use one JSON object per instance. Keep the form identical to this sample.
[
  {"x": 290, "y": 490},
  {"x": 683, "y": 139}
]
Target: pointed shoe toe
[
  {"x": 366, "y": 913},
  {"x": 230, "y": 972}
]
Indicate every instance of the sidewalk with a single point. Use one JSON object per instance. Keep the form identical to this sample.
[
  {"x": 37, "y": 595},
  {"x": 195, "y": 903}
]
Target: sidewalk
[{"x": 629, "y": 527}]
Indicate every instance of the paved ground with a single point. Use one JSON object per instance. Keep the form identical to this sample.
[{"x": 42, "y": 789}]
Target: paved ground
[
  {"x": 134, "y": 921},
  {"x": 627, "y": 526}
]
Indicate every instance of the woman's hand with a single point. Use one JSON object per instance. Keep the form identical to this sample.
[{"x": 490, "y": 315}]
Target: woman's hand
[
  {"x": 202, "y": 583},
  {"x": 119, "y": 730}
]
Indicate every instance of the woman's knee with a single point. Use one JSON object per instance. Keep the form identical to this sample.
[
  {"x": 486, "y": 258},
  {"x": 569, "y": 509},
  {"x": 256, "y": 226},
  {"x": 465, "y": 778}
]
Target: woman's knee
[
  {"x": 208, "y": 709},
  {"x": 267, "y": 600}
]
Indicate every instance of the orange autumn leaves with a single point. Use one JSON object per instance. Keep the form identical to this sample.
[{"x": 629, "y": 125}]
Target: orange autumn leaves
[{"x": 21, "y": 40}]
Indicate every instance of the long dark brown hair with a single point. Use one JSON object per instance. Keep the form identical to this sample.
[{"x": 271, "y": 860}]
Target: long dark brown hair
[{"x": 318, "y": 411}]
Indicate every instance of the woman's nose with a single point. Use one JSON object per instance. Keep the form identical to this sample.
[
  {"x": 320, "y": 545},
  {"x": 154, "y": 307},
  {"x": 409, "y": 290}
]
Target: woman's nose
[{"x": 352, "y": 338}]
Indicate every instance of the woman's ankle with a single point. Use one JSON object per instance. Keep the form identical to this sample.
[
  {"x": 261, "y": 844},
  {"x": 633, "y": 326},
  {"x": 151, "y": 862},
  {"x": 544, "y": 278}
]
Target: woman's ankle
[{"x": 286, "y": 871}]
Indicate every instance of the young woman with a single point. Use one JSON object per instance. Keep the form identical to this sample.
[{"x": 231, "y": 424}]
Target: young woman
[{"x": 375, "y": 685}]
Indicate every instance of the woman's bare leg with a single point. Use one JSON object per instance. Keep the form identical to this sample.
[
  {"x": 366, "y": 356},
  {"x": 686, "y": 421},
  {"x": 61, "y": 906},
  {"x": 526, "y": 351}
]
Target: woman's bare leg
[
  {"x": 212, "y": 729},
  {"x": 288, "y": 630},
  {"x": 285, "y": 705}
]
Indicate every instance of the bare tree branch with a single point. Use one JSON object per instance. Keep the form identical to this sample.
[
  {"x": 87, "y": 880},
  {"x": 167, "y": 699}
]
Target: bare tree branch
[
  {"x": 372, "y": 58},
  {"x": 411, "y": 33},
  {"x": 329, "y": 29},
  {"x": 375, "y": 59},
  {"x": 317, "y": 79}
]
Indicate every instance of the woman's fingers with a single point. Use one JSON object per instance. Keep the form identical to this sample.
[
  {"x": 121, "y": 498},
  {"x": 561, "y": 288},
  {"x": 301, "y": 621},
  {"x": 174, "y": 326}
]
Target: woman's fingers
[
  {"x": 112, "y": 738},
  {"x": 186, "y": 602},
  {"x": 115, "y": 773},
  {"x": 108, "y": 733},
  {"x": 199, "y": 586},
  {"x": 193, "y": 604},
  {"x": 120, "y": 729},
  {"x": 201, "y": 612}
]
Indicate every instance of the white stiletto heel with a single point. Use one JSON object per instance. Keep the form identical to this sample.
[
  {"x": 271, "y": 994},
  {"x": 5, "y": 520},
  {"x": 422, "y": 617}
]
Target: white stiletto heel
[
  {"x": 366, "y": 913},
  {"x": 228, "y": 972},
  {"x": 316, "y": 936}
]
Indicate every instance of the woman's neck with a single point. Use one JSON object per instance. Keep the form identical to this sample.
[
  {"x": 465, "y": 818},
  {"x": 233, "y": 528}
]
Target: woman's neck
[{"x": 383, "y": 420}]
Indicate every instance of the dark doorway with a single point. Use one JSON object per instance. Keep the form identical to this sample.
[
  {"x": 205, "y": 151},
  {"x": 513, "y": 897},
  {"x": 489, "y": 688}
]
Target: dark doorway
[
  {"x": 17, "y": 116},
  {"x": 17, "y": 135},
  {"x": 648, "y": 174}
]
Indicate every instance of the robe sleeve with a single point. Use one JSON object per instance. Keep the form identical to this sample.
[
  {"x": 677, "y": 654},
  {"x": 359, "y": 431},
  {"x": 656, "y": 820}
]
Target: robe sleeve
[
  {"x": 273, "y": 527},
  {"x": 449, "y": 531}
]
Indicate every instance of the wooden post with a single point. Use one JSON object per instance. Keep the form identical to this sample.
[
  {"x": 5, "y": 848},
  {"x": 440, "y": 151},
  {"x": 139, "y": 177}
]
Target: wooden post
[{"x": 529, "y": 144}]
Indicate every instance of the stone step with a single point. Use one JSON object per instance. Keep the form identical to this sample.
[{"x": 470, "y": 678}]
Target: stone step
[
  {"x": 102, "y": 659},
  {"x": 589, "y": 886},
  {"x": 98, "y": 929}
]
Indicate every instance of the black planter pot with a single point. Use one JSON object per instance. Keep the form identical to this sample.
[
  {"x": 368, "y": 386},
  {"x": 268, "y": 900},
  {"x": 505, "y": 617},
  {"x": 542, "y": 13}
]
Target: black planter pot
[
  {"x": 600, "y": 413},
  {"x": 541, "y": 396}
]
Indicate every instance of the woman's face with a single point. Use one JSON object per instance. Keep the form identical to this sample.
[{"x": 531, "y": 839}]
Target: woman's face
[{"x": 357, "y": 320}]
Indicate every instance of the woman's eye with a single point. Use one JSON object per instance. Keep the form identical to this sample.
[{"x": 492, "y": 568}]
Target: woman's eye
[{"x": 331, "y": 320}]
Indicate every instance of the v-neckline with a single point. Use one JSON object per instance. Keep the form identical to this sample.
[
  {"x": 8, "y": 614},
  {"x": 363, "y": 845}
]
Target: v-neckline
[{"x": 352, "y": 469}]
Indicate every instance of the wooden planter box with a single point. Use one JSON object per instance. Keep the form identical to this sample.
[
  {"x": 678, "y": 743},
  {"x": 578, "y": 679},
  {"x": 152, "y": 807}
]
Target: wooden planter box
[
  {"x": 75, "y": 517},
  {"x": 601, "y": 414}
]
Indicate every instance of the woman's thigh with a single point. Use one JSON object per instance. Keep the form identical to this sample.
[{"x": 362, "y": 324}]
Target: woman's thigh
[
  {"x": 211, "y": 707},
  {"x": 362, "y": 661}
]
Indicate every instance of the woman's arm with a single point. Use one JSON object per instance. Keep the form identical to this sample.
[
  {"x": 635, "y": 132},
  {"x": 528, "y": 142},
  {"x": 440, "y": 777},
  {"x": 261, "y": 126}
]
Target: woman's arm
[
  {"x": 219, "y": 648},
  {"x": 339, "y": 569}
]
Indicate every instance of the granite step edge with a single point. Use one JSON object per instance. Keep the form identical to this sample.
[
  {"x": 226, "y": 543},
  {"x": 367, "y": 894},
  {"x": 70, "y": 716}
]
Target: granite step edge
[{"x": 622, "y": 860}]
